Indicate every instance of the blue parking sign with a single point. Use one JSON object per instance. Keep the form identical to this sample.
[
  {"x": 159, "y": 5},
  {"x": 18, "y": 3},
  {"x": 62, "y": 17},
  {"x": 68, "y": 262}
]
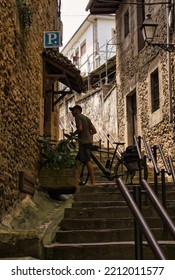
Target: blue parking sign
[{"x": 51, "y": 39}]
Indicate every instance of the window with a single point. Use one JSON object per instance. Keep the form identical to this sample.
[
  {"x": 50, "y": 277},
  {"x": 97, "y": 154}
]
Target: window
[
  {"x": 113, "y": 36},
  {"x": 77, "y": 53},
  {"x": 76, "y": 57},
  {"x": 140, "y": 20},
  {"x": 126, "y": 23},
  {"x": 83, "y": 48},
  {"x": 155, "y": 100}
]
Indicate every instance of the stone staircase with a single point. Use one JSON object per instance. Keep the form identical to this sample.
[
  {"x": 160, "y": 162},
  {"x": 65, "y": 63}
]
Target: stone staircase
[{"x": 99, "y": 225}]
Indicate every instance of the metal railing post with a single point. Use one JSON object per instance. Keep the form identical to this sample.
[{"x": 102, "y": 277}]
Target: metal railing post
[
  {"x": 164, "y": 197},
  {"x": 163, "y": 188},
  {"x": 138, "y": 232},
  {"x": 100, "y": 141},
  {"x": 155, "y": 173},
  {"x": 159, "y": 208},
  {"x": 138, "y": 146},
  {"x": 140, "y": 163},
  {"x": 108, "y": 144},
  {"x": 141, "y": 220},
  {"x": 145, "y": 170}
]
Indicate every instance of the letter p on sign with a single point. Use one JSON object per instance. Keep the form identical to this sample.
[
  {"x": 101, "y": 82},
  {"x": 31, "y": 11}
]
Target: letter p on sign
[{"x": 51, "y": 39}]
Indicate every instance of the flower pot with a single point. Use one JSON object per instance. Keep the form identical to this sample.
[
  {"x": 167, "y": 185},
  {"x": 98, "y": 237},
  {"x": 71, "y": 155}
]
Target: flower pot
[{"x": 65, "y": 180}]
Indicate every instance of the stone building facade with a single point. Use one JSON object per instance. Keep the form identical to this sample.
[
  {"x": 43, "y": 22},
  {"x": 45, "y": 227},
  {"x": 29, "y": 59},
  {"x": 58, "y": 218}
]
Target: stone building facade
[
  {"x": 140, "y": 70},
  {"x": 22, "y": 23},
  {"x": 144, "y": 74}
]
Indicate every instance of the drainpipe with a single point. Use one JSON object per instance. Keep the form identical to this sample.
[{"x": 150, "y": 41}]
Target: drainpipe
[
  {"x": 88, "y": 66},
  {"x": 169, "y": 63},
  {"x": 95, "y": 41},
  {"x": 106, "y": 63}
]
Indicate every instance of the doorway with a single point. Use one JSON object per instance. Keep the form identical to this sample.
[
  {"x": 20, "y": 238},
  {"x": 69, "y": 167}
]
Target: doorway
[{"x": 131, "y": 117}]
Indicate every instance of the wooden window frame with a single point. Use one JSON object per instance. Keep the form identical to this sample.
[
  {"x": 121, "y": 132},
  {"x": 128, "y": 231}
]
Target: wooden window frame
[
  {"x": 155, "y": 94},
  {"x": 126, "y": 24},
  {"x": 83, "y": 48}
]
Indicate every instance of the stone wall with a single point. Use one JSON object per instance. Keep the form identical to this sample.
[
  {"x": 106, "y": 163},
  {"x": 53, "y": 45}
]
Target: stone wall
[
  {"x": 21, "y": 93},
  {"x": 133, "y": 74},
  {"x": 100, "y": 108}
]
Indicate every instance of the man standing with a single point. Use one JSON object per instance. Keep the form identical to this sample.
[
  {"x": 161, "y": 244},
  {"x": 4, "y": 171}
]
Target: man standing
[{"x": 85, "y": 130}]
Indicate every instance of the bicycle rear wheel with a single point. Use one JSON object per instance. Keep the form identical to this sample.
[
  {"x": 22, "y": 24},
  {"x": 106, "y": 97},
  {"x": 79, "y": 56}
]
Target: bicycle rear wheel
[
  {"x": 84, "y": 175},
  {"x": 122, "y": 171}
]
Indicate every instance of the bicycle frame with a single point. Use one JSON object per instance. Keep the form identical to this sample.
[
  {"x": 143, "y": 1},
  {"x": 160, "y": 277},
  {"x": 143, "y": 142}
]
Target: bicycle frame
[
  {"x": 121, "y": 168},
  {"x": 130, "y": 170},
  {"x": 105, "y": 171},
  {"x": 99, "y": 164}
]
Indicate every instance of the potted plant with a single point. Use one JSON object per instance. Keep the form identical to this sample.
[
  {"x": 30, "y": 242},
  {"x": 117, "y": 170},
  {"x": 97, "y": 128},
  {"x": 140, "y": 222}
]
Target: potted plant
[{"x": 58, "y": 167}]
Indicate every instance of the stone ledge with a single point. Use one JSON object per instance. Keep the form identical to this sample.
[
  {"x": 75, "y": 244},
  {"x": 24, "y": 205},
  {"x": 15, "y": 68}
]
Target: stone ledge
[
  {"x": 30, "y": 226},
  {"x": 21, "y": 244}
]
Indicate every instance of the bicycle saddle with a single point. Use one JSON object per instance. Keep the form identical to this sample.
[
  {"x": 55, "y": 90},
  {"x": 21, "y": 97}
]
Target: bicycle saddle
[{"x": 119, "y": 143}]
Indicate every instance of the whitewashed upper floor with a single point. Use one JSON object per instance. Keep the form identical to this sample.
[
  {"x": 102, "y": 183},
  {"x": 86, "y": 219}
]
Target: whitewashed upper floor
[{"x": 92, "y": 44}]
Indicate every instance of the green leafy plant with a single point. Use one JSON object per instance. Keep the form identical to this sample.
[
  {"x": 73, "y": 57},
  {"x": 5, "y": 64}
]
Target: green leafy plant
[
  {"x": 25, "y": 13},
  {"x": 57, "y": 154}
]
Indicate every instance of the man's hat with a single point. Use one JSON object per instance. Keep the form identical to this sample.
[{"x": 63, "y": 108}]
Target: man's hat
[{"x": 76, "y": 107}]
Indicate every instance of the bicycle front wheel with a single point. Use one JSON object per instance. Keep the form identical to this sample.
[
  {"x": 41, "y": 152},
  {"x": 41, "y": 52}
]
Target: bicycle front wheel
[{"x": 84, "y": 175}]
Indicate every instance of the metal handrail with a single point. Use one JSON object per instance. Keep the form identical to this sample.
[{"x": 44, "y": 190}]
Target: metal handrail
[
  {"x": 100, "y": 137},
  {"x": 153, "y": 159},
  {"x": 71, "y": 125},
  {"x": 138, "y": 148},
  {"x": 171, "y": 167},
  {"x": 146, "y": 147},
  {"x": 141, "y": 220},
  {"x": 159, "y": 207},
  {"x": 148, "y": 151},
  {"x": 62, "y": 128},
  {"x": 107, "y": 138},
  {"x": 98, "y": 51},
  {"x": 167, "y": 169},
  {"x": 111, "y": 137}
]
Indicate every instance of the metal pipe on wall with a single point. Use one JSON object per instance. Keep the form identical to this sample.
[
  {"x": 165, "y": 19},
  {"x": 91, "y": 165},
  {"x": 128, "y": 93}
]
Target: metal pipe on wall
[{"x": 168, "y": 10}]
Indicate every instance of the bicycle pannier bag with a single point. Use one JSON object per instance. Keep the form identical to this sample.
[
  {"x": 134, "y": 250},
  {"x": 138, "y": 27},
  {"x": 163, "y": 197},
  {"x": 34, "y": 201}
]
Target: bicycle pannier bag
[{"x": 131, "y": 154}]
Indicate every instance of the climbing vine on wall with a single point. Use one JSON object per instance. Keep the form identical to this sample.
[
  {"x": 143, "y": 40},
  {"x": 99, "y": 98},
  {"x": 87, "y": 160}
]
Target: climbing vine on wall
[{"x": 25, "y": 13}]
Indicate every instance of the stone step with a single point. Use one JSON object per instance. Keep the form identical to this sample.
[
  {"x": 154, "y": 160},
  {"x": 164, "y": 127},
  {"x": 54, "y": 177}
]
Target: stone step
[
  {"x": 93, "y": 196},
  {"x": 100, "y": 226},
  {"x": 111, "y": 212},
  {"x": 103, "y": 223},
  {"x": 104, "y": 235},
  {"x": 113, "y": 195},
  {"x": 110, "y": 186},
  {"x": 104, "y": 251},
  {"x": 105, "y": 187},
  {"x": 79, "y": 204}
]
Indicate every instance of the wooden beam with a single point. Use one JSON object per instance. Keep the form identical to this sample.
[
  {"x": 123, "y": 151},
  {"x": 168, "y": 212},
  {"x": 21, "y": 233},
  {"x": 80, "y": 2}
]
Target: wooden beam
[
  {"x": 55, "y": 76},
  {"x": 58, "y": 99},
  {"x": 62, "y": 92}
]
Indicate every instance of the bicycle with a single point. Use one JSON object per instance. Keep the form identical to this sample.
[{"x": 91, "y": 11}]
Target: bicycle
[{"x": 122, "y": 164}]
